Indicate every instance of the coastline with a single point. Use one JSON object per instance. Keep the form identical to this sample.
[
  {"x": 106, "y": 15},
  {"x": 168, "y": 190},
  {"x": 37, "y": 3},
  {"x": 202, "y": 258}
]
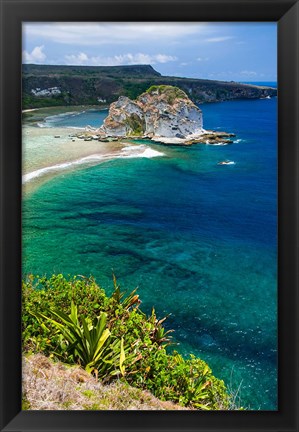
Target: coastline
[
  {"x": 216, "y": 249},
  {"x": 29, "y": 110},
  {"x": 48, "y": 152},
  {"x": 42, "y": 152}
]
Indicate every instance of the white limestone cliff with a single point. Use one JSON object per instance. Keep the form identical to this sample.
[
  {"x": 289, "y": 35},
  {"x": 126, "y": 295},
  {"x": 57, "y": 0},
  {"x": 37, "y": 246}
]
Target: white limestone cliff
[{"x": 163, "y": 113}]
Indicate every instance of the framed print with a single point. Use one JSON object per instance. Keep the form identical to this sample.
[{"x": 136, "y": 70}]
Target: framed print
[{"x": 149, "y": 159}]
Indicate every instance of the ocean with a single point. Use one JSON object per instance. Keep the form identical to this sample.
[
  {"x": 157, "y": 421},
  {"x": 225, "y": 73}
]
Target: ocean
[{"x": 198, "y": 239}]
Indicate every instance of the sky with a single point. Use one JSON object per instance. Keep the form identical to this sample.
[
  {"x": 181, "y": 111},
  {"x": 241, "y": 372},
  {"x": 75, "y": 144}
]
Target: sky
[{"x": 221, "y": 51}]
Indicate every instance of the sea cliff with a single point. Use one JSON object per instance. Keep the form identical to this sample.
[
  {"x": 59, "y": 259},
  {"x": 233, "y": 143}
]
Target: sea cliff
[{"x": 49, "y": 85}]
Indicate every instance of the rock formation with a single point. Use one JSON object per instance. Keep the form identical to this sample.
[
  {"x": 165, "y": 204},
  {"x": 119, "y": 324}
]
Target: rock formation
[{"x": 162, "y": 113}]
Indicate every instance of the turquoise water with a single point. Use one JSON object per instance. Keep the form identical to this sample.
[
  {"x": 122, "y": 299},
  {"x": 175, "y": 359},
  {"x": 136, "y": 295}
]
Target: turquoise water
[
  {"x": 93, "y": 117},
  {"x": 197, "y": 238}
]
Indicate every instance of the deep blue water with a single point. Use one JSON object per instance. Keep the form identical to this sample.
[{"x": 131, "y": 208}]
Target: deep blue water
[
  {"x": 198, "y": 239},
  {"x": 262, "y": 83}
]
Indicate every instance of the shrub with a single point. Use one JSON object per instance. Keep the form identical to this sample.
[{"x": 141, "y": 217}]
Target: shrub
[
  {"x": 68, "y": 319},
  {"x": 188, "y": 382},
  {"x": 171, "y": 92},
  {"x": 86, "y": 342},
  {"x": 40, "y": 294}
]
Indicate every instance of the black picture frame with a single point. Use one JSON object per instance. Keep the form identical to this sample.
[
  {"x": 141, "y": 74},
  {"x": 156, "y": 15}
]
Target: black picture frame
[{"x": 13, "y": 13}]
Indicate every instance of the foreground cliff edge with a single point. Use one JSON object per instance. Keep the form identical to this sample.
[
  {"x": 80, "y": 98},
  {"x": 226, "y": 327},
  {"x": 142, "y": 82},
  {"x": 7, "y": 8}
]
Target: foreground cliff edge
[
  {"x": 114, "y": 341},
  {"x": 163, "y": 114}
]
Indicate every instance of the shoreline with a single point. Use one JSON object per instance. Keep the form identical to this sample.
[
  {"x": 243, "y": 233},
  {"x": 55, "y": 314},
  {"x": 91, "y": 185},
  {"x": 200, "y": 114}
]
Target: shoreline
[
  {"x": 33, "y": 116},
  {"x": 65, "y": 108},
  {"x": 29, "y": 110},
  {"x": 48, "y": 152},
  {"x": 210, "y": 137},
  {"x": 51, "y": 151},
  {"x": 45, "y": 156}
]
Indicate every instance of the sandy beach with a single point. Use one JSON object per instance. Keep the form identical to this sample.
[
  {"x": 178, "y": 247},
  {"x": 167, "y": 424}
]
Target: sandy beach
[
  {"x": 29, "y": 110},
  {"x": 48, "y": 151}
]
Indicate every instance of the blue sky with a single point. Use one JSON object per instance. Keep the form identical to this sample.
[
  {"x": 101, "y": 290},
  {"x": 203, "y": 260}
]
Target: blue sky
[{"x": 220, "y": 51}]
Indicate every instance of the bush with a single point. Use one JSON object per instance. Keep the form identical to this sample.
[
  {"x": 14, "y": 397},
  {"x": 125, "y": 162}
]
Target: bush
[
  {"x": 51, "y": 307},
  {"x": 87, "y": 342},
  {"x": 171, "y": 92},
  {"x": 40, "y": 294},
  {"x": 187, "y": 382}
]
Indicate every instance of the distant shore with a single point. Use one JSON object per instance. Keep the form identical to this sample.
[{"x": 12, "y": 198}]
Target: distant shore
[
  {"x": 29, "y": 110},
  {"x": 35, "y": 115}
]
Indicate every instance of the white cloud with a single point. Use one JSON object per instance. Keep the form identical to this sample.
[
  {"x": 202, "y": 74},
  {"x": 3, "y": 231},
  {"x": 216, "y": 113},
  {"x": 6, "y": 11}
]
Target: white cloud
[
  {"x": 122, "y": 59},
  {"x": 219, "y": 39},
  {"x": 37, "y": 55},
  {"x": 248, "y": 73},
  {"x": 76, "y": 59},
  {"x": 109, "y": 33},
  {"x": 202, "y": 59},
  {"x": 162, "y": 58}
]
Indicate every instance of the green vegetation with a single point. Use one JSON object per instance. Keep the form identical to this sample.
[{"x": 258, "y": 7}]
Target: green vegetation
[
  {"x": 89, "y": 343},
  {"x": 136, "y": 124},
  {"x": 133, "y": 89},
  {"x": 83, "y": 85},
  {"x": 25, "y": 404},
  {"x": 171, "y": 93},
  {"x": 113, "y": 338},
  {"x": 29, "y": 101}
]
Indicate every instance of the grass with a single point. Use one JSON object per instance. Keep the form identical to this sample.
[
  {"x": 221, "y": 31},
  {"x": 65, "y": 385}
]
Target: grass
[{"x": 49, "y": 385}]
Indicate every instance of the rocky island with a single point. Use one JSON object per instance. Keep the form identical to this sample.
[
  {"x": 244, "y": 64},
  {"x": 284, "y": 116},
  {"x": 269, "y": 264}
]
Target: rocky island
[{"x": 163, "y": 114}]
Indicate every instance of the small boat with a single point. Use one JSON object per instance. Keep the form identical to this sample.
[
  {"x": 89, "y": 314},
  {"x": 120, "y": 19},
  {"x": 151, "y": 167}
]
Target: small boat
[{"x": 227, "y": 162}]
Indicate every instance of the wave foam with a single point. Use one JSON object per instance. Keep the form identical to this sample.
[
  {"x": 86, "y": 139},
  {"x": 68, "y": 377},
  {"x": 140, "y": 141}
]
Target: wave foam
[
  {"x": 218, "y": 144},
  {"x": 38, "y": 173},
  {"x": 50, "y": 121},
  {"x": 140, "y": 151},
  {"x": 126, "y": 152}
]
